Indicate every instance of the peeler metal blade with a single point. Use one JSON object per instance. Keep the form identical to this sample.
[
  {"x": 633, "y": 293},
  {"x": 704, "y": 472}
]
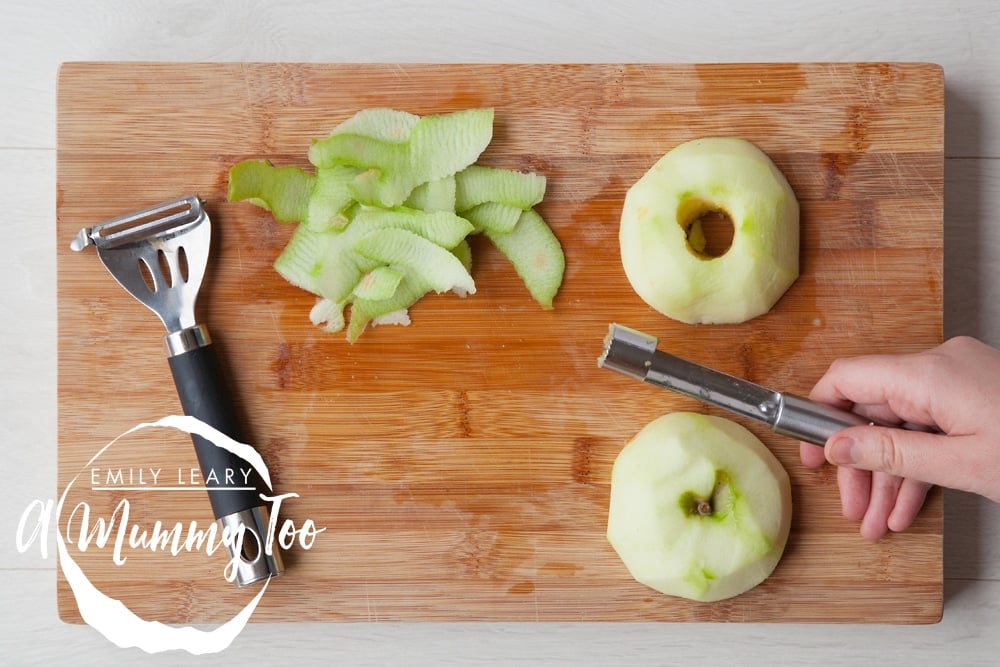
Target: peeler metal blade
[
  {"x": 634, "y": 354},
  {"x": 158, "y": 255},
  {"x": 164, "y": 220}
]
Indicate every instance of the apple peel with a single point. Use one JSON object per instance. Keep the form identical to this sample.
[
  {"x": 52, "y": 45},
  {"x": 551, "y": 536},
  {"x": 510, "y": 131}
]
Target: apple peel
[{"x": 385, "y": 216}]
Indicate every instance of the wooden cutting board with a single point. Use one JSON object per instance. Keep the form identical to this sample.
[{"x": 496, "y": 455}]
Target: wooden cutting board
[{"x": 460, "y": 466}]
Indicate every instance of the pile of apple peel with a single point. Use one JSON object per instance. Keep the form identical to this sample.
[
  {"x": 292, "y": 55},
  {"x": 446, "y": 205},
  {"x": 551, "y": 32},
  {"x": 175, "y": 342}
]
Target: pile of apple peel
[{"x": 384, "y": 217}]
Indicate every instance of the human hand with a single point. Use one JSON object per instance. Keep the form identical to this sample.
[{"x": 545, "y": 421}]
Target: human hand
[{"x": 884, "y": 473}]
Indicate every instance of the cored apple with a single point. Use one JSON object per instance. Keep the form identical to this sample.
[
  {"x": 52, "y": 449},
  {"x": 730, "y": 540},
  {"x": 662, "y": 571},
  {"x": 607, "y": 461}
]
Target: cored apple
[{"x": 663, "y": 242}]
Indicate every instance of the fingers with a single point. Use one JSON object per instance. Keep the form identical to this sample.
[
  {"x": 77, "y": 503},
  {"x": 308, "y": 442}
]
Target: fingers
[
  {"x": 881, "y": 502},
  {"x": 885, "y": 473},
  {"x": 874, "y": 474},
  {"x": 884, "y": 491},
  {"x": 812, "y": 456},
  {"x": 887, "y": 385},
  {"x": 855, "y": 492},
  {"x": 856, "y": 380},
  {"x": 909, "y": 500},
  {"x": 917, "y": 455}
]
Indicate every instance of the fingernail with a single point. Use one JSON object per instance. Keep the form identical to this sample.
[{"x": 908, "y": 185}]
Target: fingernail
[{"x": 842, "y": 451}]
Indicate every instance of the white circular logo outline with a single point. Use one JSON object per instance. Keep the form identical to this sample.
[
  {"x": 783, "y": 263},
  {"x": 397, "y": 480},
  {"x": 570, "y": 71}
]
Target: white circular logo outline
[{"x": 120, "y": 624}]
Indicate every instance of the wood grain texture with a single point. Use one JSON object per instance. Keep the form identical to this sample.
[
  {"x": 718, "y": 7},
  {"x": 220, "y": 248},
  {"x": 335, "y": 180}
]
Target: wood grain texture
[{"x": 460, "y": 465}]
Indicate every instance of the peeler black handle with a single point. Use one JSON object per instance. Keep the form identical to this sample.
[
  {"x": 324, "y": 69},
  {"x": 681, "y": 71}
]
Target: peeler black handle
[
  {"x": 232, "y": 483},
  {"x": 234, "y": 486}
]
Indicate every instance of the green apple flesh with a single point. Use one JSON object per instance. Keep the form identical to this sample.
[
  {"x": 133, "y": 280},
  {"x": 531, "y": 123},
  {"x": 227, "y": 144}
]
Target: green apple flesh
[
  {"x": 662, "y": 244},
  {"x": 700, "y": 508}
]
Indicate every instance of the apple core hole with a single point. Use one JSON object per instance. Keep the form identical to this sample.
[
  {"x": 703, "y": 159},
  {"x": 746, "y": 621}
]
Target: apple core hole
[{"x": 710, "y": 235}]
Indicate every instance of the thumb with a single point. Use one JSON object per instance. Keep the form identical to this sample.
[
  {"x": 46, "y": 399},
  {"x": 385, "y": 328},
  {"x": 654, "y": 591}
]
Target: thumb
[{"x": 918, "y": 455}]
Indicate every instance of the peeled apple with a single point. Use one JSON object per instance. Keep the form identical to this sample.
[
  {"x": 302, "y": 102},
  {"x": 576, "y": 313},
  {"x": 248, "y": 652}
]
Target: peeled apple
[
  {"x": 662, "y": 241},
  {"x": 699, "y": 508}
]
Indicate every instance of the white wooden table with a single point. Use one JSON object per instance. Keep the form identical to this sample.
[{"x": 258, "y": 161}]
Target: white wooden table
[{"x": 961, "y": 35}]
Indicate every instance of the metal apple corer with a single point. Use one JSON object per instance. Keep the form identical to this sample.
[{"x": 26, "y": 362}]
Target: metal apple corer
[
  {"x": 159, "y": 256},
  {"x": 634, "y": 354}
]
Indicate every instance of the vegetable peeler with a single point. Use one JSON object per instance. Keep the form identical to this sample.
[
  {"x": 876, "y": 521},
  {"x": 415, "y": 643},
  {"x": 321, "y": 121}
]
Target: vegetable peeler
[
  {"x": 634, "y": 354},
  {"x": 159, "y": 256}
]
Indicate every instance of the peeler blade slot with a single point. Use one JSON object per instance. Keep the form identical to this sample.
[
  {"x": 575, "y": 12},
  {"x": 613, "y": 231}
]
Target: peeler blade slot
[
  {"x": 183, "y": 272},
  {"x": 149, "y": 276},
  {"x": 166, "y": 220},
  {"x": 167, "y": 269}
]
